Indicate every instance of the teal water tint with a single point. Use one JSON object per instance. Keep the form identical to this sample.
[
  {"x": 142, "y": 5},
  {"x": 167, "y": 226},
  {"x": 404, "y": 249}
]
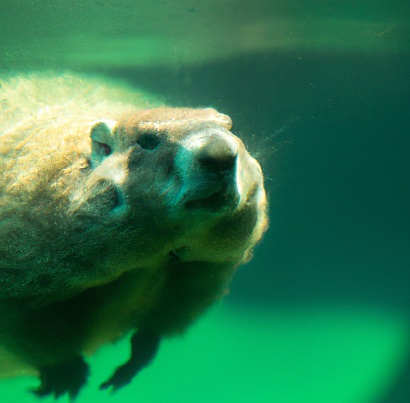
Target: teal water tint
[
  {"x": 320, "y": 93},
  {"x": 251, "y": 353},
  {"x": 90, "y": 34}
]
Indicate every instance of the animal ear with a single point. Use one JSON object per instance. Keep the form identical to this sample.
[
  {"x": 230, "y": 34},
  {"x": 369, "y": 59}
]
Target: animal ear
[{"x": 101, "y": 141}]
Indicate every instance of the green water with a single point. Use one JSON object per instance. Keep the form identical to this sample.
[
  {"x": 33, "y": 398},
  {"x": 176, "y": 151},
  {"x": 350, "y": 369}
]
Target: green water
[{"x": 320, "y": 91}]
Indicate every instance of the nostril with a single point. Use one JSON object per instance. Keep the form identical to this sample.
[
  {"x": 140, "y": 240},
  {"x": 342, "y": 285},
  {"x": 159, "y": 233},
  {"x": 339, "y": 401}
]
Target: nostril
[
  {"x": 217, "y": 162},
  {"x": 216, "y": 154}
]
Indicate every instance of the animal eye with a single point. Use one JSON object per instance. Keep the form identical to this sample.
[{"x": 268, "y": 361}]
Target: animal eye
[{"x": 148, "y": 141}]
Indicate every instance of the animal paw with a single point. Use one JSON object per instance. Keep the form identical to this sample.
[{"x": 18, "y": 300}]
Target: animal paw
[
  {"x": 144, "y": 346},
  {"x": 65, "y": 377}
]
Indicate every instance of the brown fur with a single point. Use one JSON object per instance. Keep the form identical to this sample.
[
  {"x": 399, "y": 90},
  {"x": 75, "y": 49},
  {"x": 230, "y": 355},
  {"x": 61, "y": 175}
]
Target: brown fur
[{"x": 93, "y": 245}]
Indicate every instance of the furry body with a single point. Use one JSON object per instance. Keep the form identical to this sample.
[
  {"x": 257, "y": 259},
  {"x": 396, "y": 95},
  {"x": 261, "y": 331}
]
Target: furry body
[{"x": 114, "y": 216}]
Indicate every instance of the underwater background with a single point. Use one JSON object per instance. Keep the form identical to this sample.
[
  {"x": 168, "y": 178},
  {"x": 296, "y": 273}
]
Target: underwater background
[{"x": 320, "y": 92}]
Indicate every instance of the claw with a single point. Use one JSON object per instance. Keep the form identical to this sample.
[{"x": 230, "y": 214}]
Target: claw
[
  {"x": 144, "y": 346},
  {"x": 66, "y": 377}
]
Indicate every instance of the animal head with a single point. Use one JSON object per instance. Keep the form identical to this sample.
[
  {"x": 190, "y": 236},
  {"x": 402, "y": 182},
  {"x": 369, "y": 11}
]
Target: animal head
[{"x": 183, "y": 179}]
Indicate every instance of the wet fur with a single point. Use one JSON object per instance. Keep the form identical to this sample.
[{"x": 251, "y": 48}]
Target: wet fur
[{"x": 92, "y": 246}]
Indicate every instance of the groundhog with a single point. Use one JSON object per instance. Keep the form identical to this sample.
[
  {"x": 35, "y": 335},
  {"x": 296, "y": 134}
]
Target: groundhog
[{"x": 116, "y": 214}]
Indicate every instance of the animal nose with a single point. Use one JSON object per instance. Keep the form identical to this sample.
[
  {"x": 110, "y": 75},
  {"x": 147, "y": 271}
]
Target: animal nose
[
  {"x": 216, "y": 153},
  {"x": 212, "y": 175}
]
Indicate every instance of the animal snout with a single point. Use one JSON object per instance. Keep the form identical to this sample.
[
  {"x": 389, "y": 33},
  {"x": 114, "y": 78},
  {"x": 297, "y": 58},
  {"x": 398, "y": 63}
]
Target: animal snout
[
  {"x": 212, "y": 175},
  {"x": 216, "y": 153}
]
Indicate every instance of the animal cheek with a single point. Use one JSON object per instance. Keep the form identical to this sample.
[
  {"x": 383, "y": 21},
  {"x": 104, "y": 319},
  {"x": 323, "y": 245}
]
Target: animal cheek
[{"x": 134, "y": 159}]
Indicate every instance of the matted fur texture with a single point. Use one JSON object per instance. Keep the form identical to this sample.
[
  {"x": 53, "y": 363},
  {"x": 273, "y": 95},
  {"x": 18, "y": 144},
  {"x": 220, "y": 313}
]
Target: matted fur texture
[{"x": 116, "y": 213}]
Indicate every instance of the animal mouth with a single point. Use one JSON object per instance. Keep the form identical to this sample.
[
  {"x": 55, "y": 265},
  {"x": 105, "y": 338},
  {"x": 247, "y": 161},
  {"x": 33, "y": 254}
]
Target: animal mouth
[
  {"x": 215, "y": 199},
  {"x": 214, "y": 202}
]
